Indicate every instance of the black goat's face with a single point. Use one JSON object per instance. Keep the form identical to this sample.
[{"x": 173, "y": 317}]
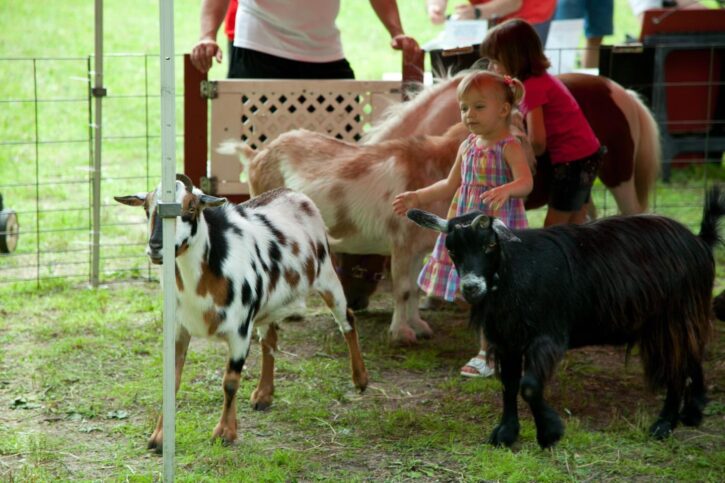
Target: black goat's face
[
  {"x": 473, "y": 243},
  {"x": 192, "y": 201}
]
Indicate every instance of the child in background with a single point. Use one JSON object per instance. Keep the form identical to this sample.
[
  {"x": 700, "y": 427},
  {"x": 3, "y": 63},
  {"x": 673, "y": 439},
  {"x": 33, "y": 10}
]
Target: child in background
[
  {"x": 490, "y": 174},
  {"x": 555, "y": 124}
]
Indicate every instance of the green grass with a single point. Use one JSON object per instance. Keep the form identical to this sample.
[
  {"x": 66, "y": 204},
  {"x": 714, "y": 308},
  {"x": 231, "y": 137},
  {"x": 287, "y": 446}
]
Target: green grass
[{"x": 80, "y": 389}]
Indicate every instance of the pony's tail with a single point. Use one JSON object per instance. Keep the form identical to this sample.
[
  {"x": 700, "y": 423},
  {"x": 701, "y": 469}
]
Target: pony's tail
[
  {"x": 648, "y": 158},
  {"x": 713, "y": 210}
]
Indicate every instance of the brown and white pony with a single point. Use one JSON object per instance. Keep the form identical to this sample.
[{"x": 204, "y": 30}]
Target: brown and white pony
[{"x": 618, "y": 117}]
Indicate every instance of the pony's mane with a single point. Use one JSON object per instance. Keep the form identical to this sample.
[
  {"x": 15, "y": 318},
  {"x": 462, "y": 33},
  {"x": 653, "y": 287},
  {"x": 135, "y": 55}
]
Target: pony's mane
[{"x": 393, "y": 116}]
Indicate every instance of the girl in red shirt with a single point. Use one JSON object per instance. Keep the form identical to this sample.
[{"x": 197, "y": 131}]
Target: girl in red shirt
[{"x": 555, "y": 124}]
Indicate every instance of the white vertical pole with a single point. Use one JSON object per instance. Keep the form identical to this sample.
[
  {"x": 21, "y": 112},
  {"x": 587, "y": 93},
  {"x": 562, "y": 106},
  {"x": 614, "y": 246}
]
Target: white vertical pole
[
  {"x": 168, "y": 185},
  {"x": 98, "y": 92}
]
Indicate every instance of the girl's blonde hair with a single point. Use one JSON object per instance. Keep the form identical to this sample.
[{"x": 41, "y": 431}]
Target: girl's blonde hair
[
  {"x": 510, "y": 89},
  {"x": 517, "y": 47}
]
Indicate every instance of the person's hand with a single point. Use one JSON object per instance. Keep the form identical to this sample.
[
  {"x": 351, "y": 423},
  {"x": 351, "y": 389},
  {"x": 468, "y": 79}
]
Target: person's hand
[
  {"x": 496, "y": 197},
  {"x": 202, "y": 54},
  {"x": 404, "y": 201},
  {"x": 436, "y": 14},
  {"x": 407, "y": 44},
  {"x": 464, "y": 11}
]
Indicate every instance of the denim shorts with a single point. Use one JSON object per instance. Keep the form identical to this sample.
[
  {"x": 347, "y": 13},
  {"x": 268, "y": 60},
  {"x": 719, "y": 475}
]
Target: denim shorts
[
  {"x": 598, "y": 15},
  {"x": 571, "y": 183}
]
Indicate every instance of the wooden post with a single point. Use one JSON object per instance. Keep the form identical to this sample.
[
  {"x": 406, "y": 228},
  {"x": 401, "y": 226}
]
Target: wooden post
[{"x": 195, "y": 123}]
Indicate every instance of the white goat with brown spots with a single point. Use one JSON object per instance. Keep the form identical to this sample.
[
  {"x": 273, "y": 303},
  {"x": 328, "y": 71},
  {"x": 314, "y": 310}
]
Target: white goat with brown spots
[
  {"x": 353, "y": 185},
  {"x": 238, "y": 266}
]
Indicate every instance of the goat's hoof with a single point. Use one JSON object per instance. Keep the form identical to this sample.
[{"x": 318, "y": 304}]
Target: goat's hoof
[
  {"x": 422, "y": 329},
  {"x": 361, "y": 382},
  {"x": 260, "y": 403},
  {"x": 550, "y": 436},
  {"x": 661, "y": 429},
  {"x": 549, "y": 428},
  {"x": 404, "y": 336},
  {"x": 504, "y": 435},
  {"x": 227, "y": 435},
  {"x": 155, "y": 446},
  {"x": 261, "y": 399},
  {"x": 691, "y": 416}
]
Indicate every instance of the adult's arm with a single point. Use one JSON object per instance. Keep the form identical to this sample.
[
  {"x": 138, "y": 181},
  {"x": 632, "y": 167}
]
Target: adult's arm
[
  {"x": 492, "y": 9},
  {"x": 206, "y": 49},
  {"x": 387, "y": 12},
  {"x": 436, "y": 10}
]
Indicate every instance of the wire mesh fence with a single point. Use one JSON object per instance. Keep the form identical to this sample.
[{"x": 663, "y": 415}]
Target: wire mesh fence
[
  {"x": 46, "y": 160},
  {"x": 46, "y": 155}
]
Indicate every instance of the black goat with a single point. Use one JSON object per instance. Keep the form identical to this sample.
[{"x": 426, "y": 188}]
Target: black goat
[{"x": 640, "y": 280}]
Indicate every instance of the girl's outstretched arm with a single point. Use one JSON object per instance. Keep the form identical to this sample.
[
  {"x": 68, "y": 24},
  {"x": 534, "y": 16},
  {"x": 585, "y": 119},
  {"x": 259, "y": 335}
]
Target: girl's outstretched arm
[
  {"x": 440, "y": 190},
  {"x": 522, "y": 183}
]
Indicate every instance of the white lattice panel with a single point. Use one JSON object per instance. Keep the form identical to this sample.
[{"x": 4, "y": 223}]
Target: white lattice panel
[{"x": 257, "y": 111}]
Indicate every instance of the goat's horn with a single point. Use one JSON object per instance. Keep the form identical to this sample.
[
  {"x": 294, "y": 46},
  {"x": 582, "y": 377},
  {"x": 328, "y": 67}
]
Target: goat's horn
[
  {"x": 187, "y": 182},
  {"x": 481, "y": 221}
]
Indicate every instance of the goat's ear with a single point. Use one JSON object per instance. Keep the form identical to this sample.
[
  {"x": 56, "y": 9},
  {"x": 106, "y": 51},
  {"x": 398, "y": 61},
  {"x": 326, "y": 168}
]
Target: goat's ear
[
  {"x": 208, "y": 200},
  {"x": 132, "y": 200},
  {"x": 428, "y": 220},
  {"x": 503, "y": 232}
]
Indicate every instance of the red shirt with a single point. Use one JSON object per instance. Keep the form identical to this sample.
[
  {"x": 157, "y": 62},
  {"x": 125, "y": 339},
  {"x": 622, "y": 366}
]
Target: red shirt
[
  {"x": 230, "y": 19},
  {"x": 568, "y": 134},
  {"x": 533, "y": 11}
]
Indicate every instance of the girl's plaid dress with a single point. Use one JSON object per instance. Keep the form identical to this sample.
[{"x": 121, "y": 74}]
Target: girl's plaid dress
[{"x": 482, "y": 168}]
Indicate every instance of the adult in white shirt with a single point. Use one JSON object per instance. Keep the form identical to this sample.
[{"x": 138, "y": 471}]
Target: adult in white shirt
[{"x": 287, "y": 39}]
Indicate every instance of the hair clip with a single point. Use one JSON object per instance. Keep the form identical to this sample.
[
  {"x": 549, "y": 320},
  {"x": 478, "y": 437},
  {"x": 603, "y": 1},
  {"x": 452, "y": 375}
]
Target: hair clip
[{"x": 508, "y": 80}]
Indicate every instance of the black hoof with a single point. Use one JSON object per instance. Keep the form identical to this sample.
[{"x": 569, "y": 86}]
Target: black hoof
[
  {"x": 550, "y": 437},
  {"x": 504, "y": 435},
  {"x": 155, "y": 448},
  {"x": 691, "y": 414},
  {"x": 261, "y": 406},
  {"x": 549, "y": 430},
  {"x": 661, "y": 429}
]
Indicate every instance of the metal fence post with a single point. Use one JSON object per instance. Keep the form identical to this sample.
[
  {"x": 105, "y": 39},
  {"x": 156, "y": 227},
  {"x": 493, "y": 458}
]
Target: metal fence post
[
  {"x": 168, "y": 189},
  {"x": 98, "y": 93}
]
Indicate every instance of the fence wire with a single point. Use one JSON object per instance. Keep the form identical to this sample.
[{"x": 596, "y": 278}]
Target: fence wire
[{"x": 46, "y": 161}]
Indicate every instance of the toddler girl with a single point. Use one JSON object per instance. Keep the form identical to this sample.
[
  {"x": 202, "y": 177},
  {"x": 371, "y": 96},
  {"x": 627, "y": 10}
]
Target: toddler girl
[{"x": 490, "y": 174}]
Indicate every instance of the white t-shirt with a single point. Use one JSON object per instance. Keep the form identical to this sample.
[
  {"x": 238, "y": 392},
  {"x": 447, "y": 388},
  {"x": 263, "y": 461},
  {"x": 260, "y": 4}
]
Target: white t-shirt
[
  {"x": 639, "y": 6},
  {"x": 301, "y": 30}
]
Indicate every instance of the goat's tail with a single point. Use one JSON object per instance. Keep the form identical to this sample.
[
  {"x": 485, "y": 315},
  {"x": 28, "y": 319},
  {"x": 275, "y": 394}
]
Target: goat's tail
[
  {"x": 712, "y": 212},
  {"x": 236, "y": 147}
]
